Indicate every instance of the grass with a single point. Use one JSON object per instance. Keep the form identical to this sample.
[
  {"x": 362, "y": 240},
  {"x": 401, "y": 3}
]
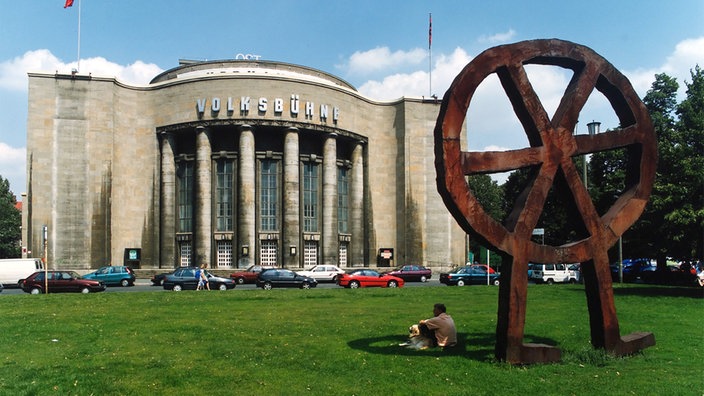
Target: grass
[{"x": 336, "y": 341}]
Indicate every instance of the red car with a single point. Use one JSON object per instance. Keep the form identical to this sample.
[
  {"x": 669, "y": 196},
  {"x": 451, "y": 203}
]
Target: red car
[
  {"x": 249, "y": 275},
  {"x": 484, "y": 266},
  {"x": 60, "y": 282},
  {"x": 368, "y": 278}
]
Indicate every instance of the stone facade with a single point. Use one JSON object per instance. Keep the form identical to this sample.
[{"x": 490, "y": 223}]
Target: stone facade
[{"x": 106, "y": 163}]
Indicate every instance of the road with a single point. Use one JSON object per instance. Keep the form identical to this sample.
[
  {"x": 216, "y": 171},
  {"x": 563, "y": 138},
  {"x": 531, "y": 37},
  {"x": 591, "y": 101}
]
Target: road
[{"x": 144, "y": 285}]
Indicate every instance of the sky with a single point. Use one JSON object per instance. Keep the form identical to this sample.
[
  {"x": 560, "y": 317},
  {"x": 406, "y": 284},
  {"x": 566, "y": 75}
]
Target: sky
[{"x": 380, "y": 47}]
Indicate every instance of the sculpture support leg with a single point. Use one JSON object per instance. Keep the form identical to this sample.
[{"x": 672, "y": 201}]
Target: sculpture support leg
[
  {"x": 510, "y": 324},
  {"x": 602, "y": 310}
]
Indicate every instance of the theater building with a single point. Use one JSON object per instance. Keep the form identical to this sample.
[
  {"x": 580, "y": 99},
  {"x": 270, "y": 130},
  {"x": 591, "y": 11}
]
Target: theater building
[{"x": 227, "y": 163}]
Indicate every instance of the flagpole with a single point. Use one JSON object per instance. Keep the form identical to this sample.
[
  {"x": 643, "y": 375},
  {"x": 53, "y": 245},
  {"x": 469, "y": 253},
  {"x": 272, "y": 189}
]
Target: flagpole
[
  {"x": 430, "y": 54},
  {"x": 78, "y": 57}
]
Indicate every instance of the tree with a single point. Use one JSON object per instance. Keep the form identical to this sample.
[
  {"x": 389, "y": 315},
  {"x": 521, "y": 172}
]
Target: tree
[
  {"x": 671, "y": 225},
  {"x": 10, "y": 222},
  {"x": 491, "y": 196}
]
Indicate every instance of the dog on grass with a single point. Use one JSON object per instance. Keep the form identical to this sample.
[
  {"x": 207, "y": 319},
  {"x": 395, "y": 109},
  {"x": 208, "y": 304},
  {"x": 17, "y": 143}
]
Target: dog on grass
[{"x": 416, "y": 339}]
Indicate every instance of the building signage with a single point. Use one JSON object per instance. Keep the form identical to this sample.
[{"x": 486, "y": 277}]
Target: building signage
[{"x": 244, "y": 104}]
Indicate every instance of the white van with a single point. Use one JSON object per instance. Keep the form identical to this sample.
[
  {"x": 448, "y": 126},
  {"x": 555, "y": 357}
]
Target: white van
[
  {"x": 552, "y": 273},
  {"x": 13, "y": 270}
]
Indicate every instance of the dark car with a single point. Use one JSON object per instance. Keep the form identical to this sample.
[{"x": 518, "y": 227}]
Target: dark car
[
  {"x": 278, "y": 277},
  {"x": 469, "y": 275},
  {"x": 249, "y": 275},
  {"x": 411, "y": 273},
  {"x": 184, "y": 278},
  {"x": 157, "y": 279},
  {"x": 60, "y": 282},
  {"x": 113, "y": 275},
  {"x": 633, "y": 269}
]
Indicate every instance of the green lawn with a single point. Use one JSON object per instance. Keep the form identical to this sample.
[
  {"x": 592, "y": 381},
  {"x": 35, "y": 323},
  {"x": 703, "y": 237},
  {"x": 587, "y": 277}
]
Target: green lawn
[{"x": 336, "y": 341}]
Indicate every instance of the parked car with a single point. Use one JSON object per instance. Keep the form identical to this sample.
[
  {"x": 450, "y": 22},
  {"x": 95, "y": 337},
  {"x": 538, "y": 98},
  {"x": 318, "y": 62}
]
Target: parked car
[
  {"x": 249, "y": 275},
  {"x": 368, "y": 278},
  {"x": 279, "y": 277},
  {"x": 412, "y": 273},
  {"x": 323, "y": 272},
  {"x": 633, "y": 269},
  {"x": 670, "y": 275},
  {"x": 113, "y": 275},
  {"x": 157, "y": 279},
  {"x": 469, "y": 275},
  {"x": 553, "y": 273},
  {"x": 60, "y": 282},
  {"x": 491, "y": 270},
  {"x": 184, "y": 278}
]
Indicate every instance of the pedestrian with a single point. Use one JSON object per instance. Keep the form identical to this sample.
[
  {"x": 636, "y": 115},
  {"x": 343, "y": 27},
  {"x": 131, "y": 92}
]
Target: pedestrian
[
  {"x": 202, "y": 277},
  {"x": 441, "y": 327}
]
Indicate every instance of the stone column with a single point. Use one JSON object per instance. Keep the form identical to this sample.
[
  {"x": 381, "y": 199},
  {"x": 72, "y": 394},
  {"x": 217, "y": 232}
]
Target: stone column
[
  {"x": 357, "y": 206},
  {"x": 167, "y": 200},
  {"x": 330, "y": 244},
  {"x": 291, "y": 204},
  {"x": 247, "y": 194},
  {"x": 203, "y": 198}
]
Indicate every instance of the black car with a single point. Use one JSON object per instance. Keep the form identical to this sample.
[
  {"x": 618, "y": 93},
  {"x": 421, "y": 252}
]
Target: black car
[
  {"x": 411, "y": 273},
  {"x": 469, "y": 275},
  {"x": 184, "y": 278},
  {"x": 157, "y": 279},
  {"x": 277, "y": 277}
]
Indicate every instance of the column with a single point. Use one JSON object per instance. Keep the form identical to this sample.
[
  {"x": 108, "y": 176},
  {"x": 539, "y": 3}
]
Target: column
[
  {"x": 357, "y": 206},
  {"x": 203, "y": 197},
  {"x": 291, "y": 204},
  {"x": 167, "y": 200},
  {"x": 247, "y": 197},
  {"x": 330, "y": 243}
]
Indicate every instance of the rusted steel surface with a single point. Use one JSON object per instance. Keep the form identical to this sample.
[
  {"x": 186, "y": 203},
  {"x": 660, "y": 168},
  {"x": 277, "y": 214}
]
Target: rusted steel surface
[{"x": 552, "y": 148}]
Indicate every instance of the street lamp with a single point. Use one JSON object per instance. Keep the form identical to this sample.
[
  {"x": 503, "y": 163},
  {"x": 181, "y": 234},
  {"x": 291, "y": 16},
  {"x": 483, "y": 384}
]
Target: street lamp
[{"x": 593, "y": 128}]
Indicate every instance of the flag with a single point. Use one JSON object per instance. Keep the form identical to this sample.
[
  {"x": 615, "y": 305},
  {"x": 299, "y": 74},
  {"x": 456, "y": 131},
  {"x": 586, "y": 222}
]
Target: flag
[
  {"x": 430, "y": 30},
  {"x": 69, "y": 3}
]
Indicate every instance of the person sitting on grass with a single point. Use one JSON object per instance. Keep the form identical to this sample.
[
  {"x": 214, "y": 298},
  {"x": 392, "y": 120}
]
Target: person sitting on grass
[{"x": 440, "y": 328}]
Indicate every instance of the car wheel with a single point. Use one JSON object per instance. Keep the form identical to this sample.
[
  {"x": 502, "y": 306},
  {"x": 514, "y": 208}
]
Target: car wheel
[
  {"x": 549, "y": 281},
  {"x": 240, "y": 281},
  {"x": 392, "y": 283},
  {"x": 305, "y": 285},
  {"x": 124, "y": 282},
  {"x": 354, "y": 285},
  {"x": 334, "y": 279},
  {"x": 423, "y": 278},
  {"x": 222, "y": 287},
  {"x": 496, "y": 282},
  {"x": 35, "y": 290},
  {"x": 267, "y": 286},
  {"x": 178, "y": 288},
  {"x": 85, "y": 290},
  {"x": 573, "y": 281},
  {"x": 460, "y": 282}
]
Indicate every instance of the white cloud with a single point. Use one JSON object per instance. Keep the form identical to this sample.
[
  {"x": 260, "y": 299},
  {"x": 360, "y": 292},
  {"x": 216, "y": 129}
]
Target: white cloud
[
  {"x": 13, "y": 73},
  {"x": 381, "y": 59},
  {"x": 687, "y": 54},
  {"x": 498, "y": 38},
  {"x": 12, "y": 167}
]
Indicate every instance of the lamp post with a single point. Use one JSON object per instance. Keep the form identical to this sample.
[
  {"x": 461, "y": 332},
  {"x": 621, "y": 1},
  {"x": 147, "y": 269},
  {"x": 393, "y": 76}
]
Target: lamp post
[{"x": 593, "y": 128}]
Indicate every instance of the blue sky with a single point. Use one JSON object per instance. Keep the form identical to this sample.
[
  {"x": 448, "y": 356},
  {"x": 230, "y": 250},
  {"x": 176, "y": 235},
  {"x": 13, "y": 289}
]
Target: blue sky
[{"x": 381, "y": 47}]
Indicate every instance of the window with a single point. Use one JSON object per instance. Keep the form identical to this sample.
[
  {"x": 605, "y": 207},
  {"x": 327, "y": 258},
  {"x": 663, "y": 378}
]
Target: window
[
  {"x": 268, "y": 253},
  {"x": 224, "y": 254},
  {"x": 310, "y": 253},
  {"x": 224, "y": 195},
  {"x": 268, "y": 195},
  {"x": 343, "y": 200},
  {"x": 185, "y": 253},
  {"x": 343, "y": 255},
  {"x": 185, "y": 196},
  {"x": 310, "y": 196}
]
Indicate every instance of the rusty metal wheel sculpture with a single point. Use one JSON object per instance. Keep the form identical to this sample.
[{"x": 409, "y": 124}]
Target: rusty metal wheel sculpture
[{"x": 552, "y": 148}]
